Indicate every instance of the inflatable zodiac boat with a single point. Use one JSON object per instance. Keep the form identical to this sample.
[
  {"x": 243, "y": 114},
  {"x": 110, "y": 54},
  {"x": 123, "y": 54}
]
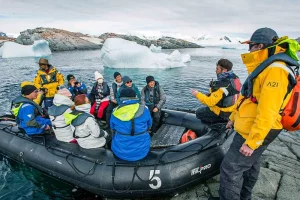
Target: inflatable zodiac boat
[{"x": 169, "y": 168}]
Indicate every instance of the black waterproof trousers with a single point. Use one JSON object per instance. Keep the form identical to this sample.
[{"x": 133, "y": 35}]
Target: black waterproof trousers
[{"x": 239, "y": 173}]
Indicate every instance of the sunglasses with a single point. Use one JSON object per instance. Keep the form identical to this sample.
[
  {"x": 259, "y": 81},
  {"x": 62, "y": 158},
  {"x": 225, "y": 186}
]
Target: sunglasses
[
  {"x": 129, "y": 82},
  {"x": 252, "y": 45},
  {"x": 36, "y": 91}
]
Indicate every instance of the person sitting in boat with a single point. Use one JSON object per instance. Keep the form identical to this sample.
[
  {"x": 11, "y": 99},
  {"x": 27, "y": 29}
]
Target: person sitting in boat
[
  {"x": 48, "y": 79},
  {"x": 62, "y": 104},
  {"x": 113, "y": 94},
  {"x": 99, "y": 96},
  {"x": 87, "y": 131},
  {"x": 223, "y": 94},
  {"x": 130, "y": 123},
  {"x": 75, "y": 87},
  {"x": 153, "y": 96},
  {"x": 29, "y": 115},
  {"x": 127, "y": 83},
  {"x": 40, "y": 96}
]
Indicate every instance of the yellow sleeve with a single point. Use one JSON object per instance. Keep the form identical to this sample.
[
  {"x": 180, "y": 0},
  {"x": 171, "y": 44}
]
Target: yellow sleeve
[
  {"x": 273, "y": 91},
  {"x": 211, "y": 100},
  {"x": 60, "y": 79},
  {"x": 37, "y": 81}
]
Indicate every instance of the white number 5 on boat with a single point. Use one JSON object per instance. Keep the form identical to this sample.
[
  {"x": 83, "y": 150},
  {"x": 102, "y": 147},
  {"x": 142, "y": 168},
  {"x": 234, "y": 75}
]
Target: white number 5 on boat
[{"x": 152, "y": 177}]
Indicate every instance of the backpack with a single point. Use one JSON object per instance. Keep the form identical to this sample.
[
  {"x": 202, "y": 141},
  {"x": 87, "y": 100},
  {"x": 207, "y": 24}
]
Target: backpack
[{"x": 291, "y": 113}]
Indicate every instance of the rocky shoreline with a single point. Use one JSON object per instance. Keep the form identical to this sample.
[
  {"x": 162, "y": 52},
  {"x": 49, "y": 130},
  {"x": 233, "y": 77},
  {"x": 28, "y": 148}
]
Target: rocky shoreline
[
  {"x": 62, "y": 40},
  {"x": 164, "y": 42},
  {"x": 279, "y": 176}
]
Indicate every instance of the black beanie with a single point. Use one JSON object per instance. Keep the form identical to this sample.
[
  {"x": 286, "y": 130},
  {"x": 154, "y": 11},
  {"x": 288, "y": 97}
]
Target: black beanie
[
  {"x": 28, "y": 89},
  {"x": 116, "y": 74},
  {"x": 70, "y": 76},
  {"x": 127, "y": 92},
  {"x": 149, "y": 79}
]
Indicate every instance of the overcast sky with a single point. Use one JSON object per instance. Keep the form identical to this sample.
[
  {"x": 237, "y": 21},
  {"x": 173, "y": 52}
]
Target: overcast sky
[{"x": 190, "y": 17}]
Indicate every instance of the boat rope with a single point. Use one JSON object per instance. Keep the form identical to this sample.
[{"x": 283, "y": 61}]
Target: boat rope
[{"x": 158, "y": 160}]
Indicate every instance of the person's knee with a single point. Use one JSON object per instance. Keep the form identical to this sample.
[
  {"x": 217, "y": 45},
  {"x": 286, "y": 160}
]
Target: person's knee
[{"x": 201, "y": 113}]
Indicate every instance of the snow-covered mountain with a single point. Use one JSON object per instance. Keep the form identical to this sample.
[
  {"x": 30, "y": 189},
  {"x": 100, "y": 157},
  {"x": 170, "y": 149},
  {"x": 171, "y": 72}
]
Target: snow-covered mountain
[
  {"x": 203, "y": 40},
  {"x": 209, "y": 40}
]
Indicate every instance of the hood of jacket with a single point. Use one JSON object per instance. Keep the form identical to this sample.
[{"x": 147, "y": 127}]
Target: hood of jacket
[
  {"x": 62, "y": 100},
  {"x": 84, "y": 107}
]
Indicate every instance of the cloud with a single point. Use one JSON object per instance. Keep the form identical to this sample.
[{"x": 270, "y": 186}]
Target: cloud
[{"x": 164, "y": 16}]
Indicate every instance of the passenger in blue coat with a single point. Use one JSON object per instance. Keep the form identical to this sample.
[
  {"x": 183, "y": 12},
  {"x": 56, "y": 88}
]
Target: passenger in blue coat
[
  {"x": 29, "y": 115},
  {"x": 75, "y": 87},
  {"x": 127, "y": 83},
  {"x": 127, "y": 143}
]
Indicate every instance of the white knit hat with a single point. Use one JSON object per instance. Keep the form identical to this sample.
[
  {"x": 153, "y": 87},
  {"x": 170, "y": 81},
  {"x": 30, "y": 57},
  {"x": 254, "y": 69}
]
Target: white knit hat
[{"x": 98, "y": 75}]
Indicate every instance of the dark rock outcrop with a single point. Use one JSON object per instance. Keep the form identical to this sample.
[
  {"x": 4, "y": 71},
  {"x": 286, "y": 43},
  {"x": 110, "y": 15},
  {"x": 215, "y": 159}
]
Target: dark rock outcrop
[
  {"x": 59, "y": 40},
  {"x": 2, "y": 34},
  {"x": 164, "y": 42}
]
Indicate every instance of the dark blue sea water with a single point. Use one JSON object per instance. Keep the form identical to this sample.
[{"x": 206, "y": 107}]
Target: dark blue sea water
[{"x": 22, "y": 182}]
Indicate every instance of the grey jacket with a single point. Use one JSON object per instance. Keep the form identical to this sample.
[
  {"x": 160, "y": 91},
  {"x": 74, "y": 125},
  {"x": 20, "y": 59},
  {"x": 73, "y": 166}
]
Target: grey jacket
[{"x": 148, "y": 96}]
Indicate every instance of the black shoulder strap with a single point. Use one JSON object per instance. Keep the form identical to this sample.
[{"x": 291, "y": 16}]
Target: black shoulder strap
[{"x": 132, "y": 127}]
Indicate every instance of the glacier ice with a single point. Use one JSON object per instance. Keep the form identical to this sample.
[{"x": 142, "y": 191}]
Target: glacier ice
[
  {"x": 235, "y": 46},
  {"x": 155, "y": 49},
  {"x": 120, "y": 53},
  {"x": 40, "y": 48}
]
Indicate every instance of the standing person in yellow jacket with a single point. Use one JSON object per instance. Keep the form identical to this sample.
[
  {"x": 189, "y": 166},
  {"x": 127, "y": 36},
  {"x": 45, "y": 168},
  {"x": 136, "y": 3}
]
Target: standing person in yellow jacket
[
  {"x": 256, "y": 118},
  {"x": 48, "y": 79},
  {"x": 223, "y": 94}
]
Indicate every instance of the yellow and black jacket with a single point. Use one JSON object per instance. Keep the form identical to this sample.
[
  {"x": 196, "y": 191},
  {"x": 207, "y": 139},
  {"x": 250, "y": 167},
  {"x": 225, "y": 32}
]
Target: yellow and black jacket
[
  {"x": 222, "y": 97},
  {"x": 50, "y": 81},
  {"x": 256, "y": 115}
]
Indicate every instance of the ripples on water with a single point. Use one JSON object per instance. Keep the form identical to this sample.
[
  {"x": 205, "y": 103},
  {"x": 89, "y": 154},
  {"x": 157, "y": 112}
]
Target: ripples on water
[{"x": 22, "y": 182}]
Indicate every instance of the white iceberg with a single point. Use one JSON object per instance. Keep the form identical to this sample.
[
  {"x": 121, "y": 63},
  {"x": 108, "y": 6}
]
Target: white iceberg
[
  {"x": 155, "y": 49},
  {"x": 40, "y": 48},
  {"x": 120, "y": 53}
]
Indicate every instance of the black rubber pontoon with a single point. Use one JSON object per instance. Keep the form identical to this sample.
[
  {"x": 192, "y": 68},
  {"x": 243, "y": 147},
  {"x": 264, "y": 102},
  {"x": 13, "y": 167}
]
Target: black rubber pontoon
[{"x": 165, "y": 171}]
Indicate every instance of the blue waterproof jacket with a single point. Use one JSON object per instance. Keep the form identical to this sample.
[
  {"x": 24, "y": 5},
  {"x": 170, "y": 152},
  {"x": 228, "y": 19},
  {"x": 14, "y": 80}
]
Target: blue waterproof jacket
[
  {"x": 77, "y": 90},
  {"x": 137, "y": 92},
  {"x": 125, "y": 145},
  {"x": 28, "y": 116}
]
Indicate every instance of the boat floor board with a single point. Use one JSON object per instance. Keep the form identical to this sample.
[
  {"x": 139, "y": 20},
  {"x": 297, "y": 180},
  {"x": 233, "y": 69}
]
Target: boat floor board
[{"x": 167, "y": 135}]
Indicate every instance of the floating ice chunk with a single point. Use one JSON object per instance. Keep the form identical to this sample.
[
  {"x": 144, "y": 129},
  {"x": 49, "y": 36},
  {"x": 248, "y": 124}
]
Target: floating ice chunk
[
  {"x": 40, "y": 48},
  {"x": 235, "y": 46},
  {"x": 155, "y": 49},
  {"x": 120, "y": 53}
]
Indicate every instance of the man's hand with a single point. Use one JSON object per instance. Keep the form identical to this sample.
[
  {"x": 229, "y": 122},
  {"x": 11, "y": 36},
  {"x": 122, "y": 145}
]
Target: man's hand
[
  {"x": 114, "y": 101},
  {"x": 245, "y": 150},
  {"x": 194, "y": 91},
  {"x": 78, "y": 84},
  {"x": 47, "y": 127},
  {"x": 229, "y": 124},
  {"x": 155, "y": 110}
]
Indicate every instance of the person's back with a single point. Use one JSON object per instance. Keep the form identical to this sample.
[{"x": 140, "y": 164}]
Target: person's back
[
  {"x": 130, "y": 144},
  {"x": 61, "y": 105},
  {"x": 28, "y": 114},
  {"x": 87, "y": 131}
]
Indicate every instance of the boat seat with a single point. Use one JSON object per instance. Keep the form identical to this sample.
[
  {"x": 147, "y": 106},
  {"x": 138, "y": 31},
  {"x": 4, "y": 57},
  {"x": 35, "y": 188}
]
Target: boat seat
[{"x": 167, "y": 135}]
